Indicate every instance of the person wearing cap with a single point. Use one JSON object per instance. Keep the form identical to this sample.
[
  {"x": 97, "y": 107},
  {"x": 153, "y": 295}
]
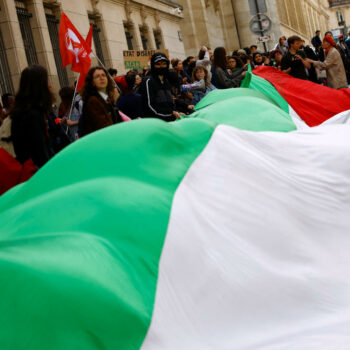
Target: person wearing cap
[
  {"x": 241, "y": 52},
  {"x": 157, "y": 100},
  {"x": 333, "y": 64}
]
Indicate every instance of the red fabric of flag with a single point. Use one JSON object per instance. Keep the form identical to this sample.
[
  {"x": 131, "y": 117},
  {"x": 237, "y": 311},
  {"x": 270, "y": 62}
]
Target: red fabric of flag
[
  {"x": 82, "y": 75},
  {"x": 74, "y": 49},
  {"x": 89, "y": 38},
  {"x": 313, "y": 103},
  {"x": 13, "y": 172}
]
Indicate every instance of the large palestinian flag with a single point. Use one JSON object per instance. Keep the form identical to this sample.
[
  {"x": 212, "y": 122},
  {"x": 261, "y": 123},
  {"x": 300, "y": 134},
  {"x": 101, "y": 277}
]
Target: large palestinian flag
[
  {"x": 307, "y": 103},
  {"x": 187, "y": 235},
  {"x": 304, "y": 103}
]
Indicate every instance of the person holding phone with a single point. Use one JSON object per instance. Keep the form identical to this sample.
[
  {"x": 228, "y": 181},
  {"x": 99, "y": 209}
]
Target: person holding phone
[{"x": 294, "y": 62}]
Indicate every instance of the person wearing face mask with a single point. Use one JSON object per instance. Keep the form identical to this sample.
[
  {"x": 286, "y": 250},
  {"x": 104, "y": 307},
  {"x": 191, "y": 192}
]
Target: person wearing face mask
[{"x": 157, "y": 100}]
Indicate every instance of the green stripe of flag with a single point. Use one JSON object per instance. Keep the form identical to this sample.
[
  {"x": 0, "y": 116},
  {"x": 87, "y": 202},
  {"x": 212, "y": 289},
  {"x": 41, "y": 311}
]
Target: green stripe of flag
[
  {"x": 80, "y": 242},
  {"x": 246, "y": 109},
  {"x": 257, "y": 83}
]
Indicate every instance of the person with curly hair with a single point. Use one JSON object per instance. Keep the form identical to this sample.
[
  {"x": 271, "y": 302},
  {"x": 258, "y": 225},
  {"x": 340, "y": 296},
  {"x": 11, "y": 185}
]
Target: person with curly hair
[{"x": 99, "y": 96}]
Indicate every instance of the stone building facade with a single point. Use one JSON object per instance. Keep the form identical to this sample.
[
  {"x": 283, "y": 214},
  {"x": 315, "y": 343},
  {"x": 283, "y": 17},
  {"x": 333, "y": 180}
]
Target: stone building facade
[
  {"x": 303, "y": 17},
  {"x": 339, "y": 16},
  {"x": 226, "y": 22},
  {"x": 29, "y": 33},
  {"x": 208, "y": 22}
]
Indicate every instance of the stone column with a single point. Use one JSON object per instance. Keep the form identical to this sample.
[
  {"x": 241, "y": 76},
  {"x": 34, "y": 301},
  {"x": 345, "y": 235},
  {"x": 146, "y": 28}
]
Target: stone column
[
  {"x": 151, "y": 40},
  {"x": 229, "y": 26},
  {"x": 104, "y": 43},
  {"x": 42, "y": 41},
  {"x": 13, "y": 41},
  {"x": 193, "y": 24}
]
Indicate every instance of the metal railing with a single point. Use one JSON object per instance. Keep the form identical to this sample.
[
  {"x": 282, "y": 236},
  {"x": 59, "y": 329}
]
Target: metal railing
[
  {"x": 5, "y": 75},
  {"x": 97, "y": 42},
  {"x": 27, "y": 35},
  {"x": 335, "y": 3}
]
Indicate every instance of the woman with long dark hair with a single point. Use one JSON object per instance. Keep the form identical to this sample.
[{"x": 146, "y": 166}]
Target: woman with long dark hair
[
  {"x": 30, "y": 113},
  {"x": 220, "y": 78},
  {"x": 99, "y": 97}
]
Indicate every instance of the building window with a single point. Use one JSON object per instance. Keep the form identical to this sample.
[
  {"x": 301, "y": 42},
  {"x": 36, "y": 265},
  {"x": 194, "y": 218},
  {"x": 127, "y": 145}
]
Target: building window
[
  {"x": 5, "y": 76},
  {"x": 340, "y": 18},
  {"x": 157, "y": 39},
  {"x": 27, "y": 35},
  {"x": 52, "y": 25},
  {"x": 129, "y": 38},
  {"x": 144, "y": 40},
  {"x": 97, "y": 41}
]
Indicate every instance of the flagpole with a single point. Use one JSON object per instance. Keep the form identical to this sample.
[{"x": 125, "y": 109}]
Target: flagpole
[
  {"x": 75, "y": 91},
  {"x": 72, "y": 104}
]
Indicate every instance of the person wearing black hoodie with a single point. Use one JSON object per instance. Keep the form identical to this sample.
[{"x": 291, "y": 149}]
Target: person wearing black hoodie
[{"x": 157, "y": 100}]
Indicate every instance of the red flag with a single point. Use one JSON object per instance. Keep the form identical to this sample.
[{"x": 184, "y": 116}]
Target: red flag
[
  {"x": 74, "y": 49},
  {"x": 88, "y": 39},
  {"x": 82, "y": 75}
]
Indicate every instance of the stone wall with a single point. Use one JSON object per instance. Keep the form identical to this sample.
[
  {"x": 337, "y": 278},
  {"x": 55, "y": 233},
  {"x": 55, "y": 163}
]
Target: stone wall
[
  {"x": 210, "y": 22},
  {"x": 150, "y": 17},
  {"x": 226, "y": 23}
]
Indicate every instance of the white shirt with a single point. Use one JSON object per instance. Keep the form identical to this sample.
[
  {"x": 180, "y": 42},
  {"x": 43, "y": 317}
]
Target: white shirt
[{"x": 103, "y": 95}]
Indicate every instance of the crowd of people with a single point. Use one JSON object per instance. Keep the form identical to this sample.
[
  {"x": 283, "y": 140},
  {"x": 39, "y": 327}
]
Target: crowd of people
[{"x": 32, "y": 127}]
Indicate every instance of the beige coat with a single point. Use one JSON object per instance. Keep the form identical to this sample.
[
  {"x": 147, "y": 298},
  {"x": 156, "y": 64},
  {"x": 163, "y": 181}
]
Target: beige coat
[
  {"x": 5, "y": 136},
  {"x": 336, "y": 76}
]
